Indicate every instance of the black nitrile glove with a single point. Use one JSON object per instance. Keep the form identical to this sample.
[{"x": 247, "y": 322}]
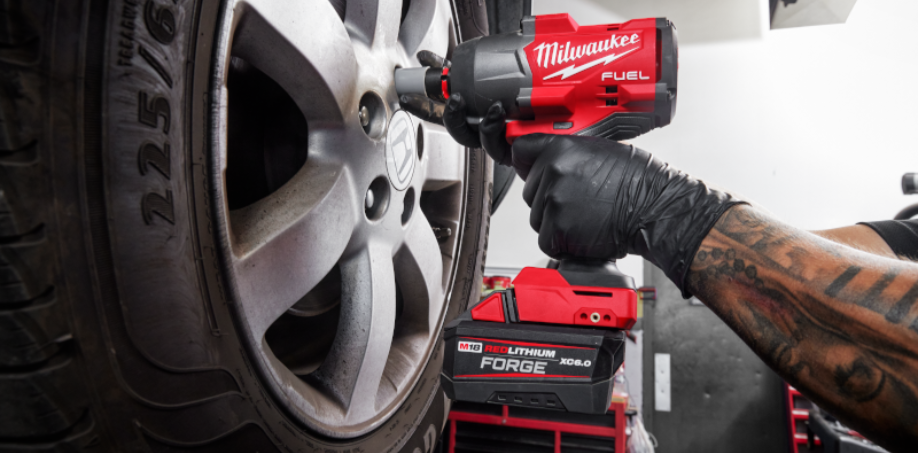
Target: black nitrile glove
[
  {"x": 491, "y": 134},
  {"x": 596, "y": 198},
  {"x": 491, "y": 130}
]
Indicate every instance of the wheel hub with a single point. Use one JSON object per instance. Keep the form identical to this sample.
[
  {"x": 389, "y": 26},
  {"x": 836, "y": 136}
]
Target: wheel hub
[{"x": 400, "y": 150}]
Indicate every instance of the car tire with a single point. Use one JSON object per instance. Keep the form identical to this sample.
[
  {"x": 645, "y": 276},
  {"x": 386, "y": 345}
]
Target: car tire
[{"x": 119, "y": 328}]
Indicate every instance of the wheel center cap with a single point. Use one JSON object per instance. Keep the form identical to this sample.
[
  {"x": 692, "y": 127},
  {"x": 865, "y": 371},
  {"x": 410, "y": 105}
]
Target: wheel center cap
[{"x": 400, "y": 150}]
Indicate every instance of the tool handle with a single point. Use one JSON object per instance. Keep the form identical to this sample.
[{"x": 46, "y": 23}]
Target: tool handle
[
  {"x": 598, "y": 266},
  {"x": 596, "y": 272}
]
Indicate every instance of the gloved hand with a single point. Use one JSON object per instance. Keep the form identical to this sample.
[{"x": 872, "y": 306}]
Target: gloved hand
[
  {"x": 491, "y": 134},
  {"x": 596, "y": 198}
]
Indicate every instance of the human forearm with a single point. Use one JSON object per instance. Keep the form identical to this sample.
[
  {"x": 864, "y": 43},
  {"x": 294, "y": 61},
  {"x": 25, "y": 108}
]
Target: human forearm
[
  {"x": 838, "y": 324},
  {"x": 860, "y": 237}
]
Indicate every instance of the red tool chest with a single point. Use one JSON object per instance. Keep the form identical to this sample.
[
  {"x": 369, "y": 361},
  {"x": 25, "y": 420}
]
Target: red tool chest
[{"x": 495, "y": 428}]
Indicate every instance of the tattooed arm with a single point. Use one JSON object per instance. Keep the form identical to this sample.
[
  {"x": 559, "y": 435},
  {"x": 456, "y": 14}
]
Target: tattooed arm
[
  {"x": 860, "y": 237},
  {"x": 838, "y": 324}
]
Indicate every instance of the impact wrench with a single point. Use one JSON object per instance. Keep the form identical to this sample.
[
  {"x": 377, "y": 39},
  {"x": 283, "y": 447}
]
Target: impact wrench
[{"x": 557, "y": 337}]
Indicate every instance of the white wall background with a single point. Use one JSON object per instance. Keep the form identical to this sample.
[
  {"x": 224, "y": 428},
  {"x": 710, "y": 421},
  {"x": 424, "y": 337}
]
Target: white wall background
[{"x": 816, "y": 124}]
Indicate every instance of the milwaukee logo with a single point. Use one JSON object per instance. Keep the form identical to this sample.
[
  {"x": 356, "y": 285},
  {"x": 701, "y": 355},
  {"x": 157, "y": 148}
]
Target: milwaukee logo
[
  {"x": 573, "y": 69},
  {"x": 553, "y": 54},
  {"x": 470, "y": 346}
]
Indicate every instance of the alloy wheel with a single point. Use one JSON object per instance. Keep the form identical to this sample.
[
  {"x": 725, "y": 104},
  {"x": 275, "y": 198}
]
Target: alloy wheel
[{"x": 341, "y": 215}]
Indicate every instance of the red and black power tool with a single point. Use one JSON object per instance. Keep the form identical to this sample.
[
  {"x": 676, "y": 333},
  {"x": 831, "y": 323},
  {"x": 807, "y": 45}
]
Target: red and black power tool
[
  {"x": 557, "y": 337},
  {"x": 616, "y": 81},
  {"x": 553, "y": 341}
]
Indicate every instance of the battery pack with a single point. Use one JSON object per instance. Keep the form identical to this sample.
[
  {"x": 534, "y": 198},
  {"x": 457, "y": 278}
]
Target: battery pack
[{"x": 544, "y": 366}]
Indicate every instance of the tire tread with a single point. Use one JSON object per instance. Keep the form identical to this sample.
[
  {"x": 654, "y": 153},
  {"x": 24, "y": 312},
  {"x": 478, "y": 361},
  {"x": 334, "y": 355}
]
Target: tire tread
[{"x": 44, "y": 406}]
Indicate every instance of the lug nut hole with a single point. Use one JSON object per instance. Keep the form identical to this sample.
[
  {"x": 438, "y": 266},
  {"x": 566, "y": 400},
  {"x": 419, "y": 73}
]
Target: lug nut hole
[
  {"x": 377, "y": 198},
  {"x": 408, "y": 206},
  {"x": 420, "y": 142},
  {"x": 372, "y": 115}
]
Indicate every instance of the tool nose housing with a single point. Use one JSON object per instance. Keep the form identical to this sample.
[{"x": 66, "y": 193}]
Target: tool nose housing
[
  {"x": 425, "y": 81},
  {"x": 410, "y": 81}
]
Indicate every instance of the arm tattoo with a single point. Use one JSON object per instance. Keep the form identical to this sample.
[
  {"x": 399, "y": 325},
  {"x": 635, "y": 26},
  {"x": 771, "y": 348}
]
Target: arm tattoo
[{"x": 838, "y": 324}]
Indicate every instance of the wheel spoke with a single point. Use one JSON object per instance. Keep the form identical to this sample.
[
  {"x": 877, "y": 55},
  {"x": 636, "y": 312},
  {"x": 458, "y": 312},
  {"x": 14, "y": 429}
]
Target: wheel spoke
[
  {"x": 305, "y": 48},
  {"x": 420, "y": 268},
  {"x": 423, "y": 28},
  {"x": 285, "y": 253},
  {"x": 374, "y": 22},
  {"x": 353, "y": 369},
  {"x": 443, "y": 157}
]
